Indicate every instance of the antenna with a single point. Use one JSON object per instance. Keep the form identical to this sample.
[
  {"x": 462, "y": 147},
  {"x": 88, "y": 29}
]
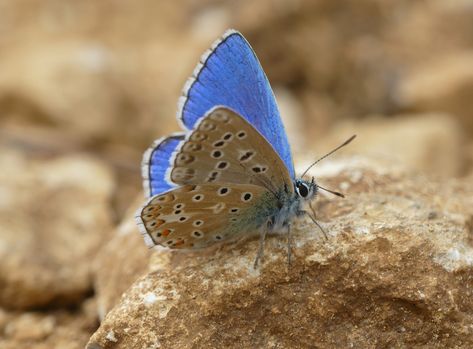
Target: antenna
[
  {"x": 328, "y": 154},
  {"x": 331, "y": 191}
]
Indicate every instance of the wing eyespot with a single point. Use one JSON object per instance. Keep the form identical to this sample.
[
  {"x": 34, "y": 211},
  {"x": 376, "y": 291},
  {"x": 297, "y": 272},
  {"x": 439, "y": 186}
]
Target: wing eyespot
[
  {"x": 222, "y": 165},
  {"x": 223, "y": 191},
  {"x": 227, "y": 136},
  {"x": 207, "y": 125},
  {"x": 246, "y": 155},
  {"x": 241, "y": 134},
  {"x": 246, "y": 196},
  {"x": 165, "y": 198},
  {"x": 164, "y": 232},
  {"x": 197, "y": 223},
  {"x": 259, "y": 169},
  {"x": 219, "y": 116},
  {"x": 219, "y": 144},
  {"x": 150, "y": 209},
  {"x": 213, "y": 176},
  {"x": 192, "y": 188},
  {"x": 217, "y": 154},
  {"x": 182, "y": 173},
  {"x": 192, "y": 147},
  {"x": 198, "y": 136},
  {"x": 198, "y": 234},
  {"x": 156, "y": 223},
  {"x": 198, "y": 197},
  {"x": 184, "y": 159}
]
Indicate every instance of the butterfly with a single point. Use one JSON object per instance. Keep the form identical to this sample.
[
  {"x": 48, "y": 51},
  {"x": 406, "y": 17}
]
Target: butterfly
[{"x": 231, "y": 172}]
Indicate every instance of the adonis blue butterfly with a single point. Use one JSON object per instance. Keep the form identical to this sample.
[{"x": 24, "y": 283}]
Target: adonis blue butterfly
[{"x": 231, "y": 173}]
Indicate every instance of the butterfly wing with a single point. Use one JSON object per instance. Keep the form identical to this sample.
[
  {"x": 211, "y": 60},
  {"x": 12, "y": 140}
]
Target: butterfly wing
[
  {"x": 197, "y": 216},
  {"x": 225, "y": 148},
  {"x": 230, "y": 74},
  {"x": 156, "y": 161}
]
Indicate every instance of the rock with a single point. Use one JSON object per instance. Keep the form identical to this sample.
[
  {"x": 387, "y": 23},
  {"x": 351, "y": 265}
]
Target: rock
[
  {"x": 28, "y": 326},
  {"x": 55, "y": 215},
  {"x": 357, "y": 59},
  {"x": 55, "y": 329},
  {"x": 325, "y": 53},
  {"x": 120, "y": 263},
  {"x": 96, "y": 85},
  {"x": 55, "y": 72},
  {"x": 469, "y": 152},
  {"x": 396, "y": 271},
  {"x": 83, "y": 88},
  {"x": 445, "y": 85},
  {"x": 430, "y": 143},
  {"x": 123, "y": 260}
]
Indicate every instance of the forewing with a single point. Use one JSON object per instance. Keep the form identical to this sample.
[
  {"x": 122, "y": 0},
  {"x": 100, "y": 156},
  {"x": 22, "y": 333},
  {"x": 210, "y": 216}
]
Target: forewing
[
  {"x": 194, "y": 216},
  {"x": 225, "y": 148},
  {"x": 230, "y": 74}
]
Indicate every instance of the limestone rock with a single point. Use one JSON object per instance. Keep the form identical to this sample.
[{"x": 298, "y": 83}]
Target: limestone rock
[
  {"x": 55, "y": 72},
  {"x": 431, "y": 143},
  {"x": 120, "y": 262},
  {"x": 445, "y": 85},
  {"x": 54, "y": 215},
  {"x": 55, "y": 329},
  {"x": 396, "y": 271},
  {"x": 469, "y": 151}
]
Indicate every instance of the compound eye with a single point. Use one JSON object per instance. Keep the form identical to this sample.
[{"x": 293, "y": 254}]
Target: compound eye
[{"x": 303, "y": 190}]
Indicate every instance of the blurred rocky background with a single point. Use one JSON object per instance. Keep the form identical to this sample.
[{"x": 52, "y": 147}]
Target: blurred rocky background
[{"x": 86, "y": 86}]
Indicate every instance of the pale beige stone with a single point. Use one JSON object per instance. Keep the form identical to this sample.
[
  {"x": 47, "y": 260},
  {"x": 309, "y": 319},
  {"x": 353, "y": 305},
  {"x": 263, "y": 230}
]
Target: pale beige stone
[
  {"x": 444, "y": 84},
  {"x": 120, "y": 262},
  {"x": 57, "y": 328},
  {"x": 396, "y": 271},
  {"x": 431, "y": 143},
  {"x": 54, "y": 215},
  {"x": 30, "y": 326}
]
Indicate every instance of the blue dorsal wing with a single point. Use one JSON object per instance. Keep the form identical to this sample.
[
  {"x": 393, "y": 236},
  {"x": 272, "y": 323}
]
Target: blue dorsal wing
[
  {"x": 156, "y": 162},
  {"x": 230, "y": 74}
]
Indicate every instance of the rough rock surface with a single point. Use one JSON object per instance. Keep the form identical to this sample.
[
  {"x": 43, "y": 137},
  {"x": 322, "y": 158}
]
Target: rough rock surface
[
  {"x": 103, "y": 77},
  {"x": 54, "y": 216},
  {"x": 396, "y": 271},
  {"x": 120, "y": 262}
]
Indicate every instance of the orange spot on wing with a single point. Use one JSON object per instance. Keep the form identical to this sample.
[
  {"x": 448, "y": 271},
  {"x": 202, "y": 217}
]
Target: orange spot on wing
[
  {"x": 165, "y": 232},
  {"x": 179, "y": 243}
]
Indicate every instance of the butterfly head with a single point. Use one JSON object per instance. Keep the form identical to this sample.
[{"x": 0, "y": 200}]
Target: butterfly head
[{"x": 306, "y": 190}]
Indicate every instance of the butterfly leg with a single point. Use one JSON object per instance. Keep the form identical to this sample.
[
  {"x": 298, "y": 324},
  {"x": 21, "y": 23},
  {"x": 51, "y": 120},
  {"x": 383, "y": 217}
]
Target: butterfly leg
[
  {"x": 289, "y": 244},
  {"x": 262, "y": 236},
  {"x": 305, "y": 213}
]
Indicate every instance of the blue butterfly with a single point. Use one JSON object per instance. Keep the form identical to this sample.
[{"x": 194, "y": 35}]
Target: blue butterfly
[{"x": 231, "y": 173}]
